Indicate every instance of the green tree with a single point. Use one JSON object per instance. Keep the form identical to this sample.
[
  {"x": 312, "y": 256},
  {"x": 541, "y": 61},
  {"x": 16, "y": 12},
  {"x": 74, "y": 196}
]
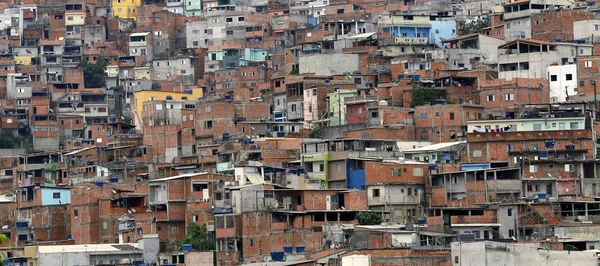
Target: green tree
[
  {"x": 94, "y": 74},
  {"x": 473, "y": 26},
  {"x": 3, "y": 240},
  {"x": 198, "y": 237},
  {"x": 423, "y": 96},
  {"x": 369, "y": 218}
]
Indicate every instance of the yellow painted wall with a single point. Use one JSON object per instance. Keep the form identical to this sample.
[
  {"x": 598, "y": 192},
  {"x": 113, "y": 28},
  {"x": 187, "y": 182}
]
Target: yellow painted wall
[
  {"x": 140, "y": 97},
  {"x": 125, "y": 8},
  {"x": 77, "y": 19},
  {"x": 23, "y": 60},
  {"x": 143, "y": 72}
]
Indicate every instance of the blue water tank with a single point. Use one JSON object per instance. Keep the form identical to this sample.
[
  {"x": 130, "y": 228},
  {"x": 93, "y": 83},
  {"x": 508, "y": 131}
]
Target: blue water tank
[
  {"x": 287, "y": 249},
  {"x": 570, "y": 147},
  {"x": 169, "y": 98},
  {"x": 99, "y": 184},
  {"x": 226, "y": 134},
  {"x": 416, "y": 77},
  {"x": 186, "y": 247},
  {"x": 300, "y": 249},
  {"x": 280, "y": 134},
  {"x": 440, "y": 101},
  {"x": 476, "y": 58},
  {"x": 69, "y": 237},
  {"x": 564, "y": 60},
  {"x": 591, "y": 3},
  {"x": 188, "y": 91},
  {"x": 114, "y": 179},
  {"x": 277, "y": 255}
]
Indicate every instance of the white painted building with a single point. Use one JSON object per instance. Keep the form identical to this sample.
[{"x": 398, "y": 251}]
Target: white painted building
[
  {"x": 586, "y": 30},
  {"x": 563, "y": 82},
  {"x": 496, "y": 253}
]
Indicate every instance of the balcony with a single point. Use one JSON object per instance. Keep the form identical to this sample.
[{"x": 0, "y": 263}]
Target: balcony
[
  {"x": 359, "y": 99},
  {"x": 410, "y": 40}
]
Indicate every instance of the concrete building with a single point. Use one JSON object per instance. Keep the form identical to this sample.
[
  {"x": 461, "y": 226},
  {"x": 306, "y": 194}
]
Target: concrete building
[
  {"x": 530, "y": 58},
  {"x": 465, "y": 52},
  {"x": 140, "y": 44},
  {"x": 563, "y": 82},
  {"x": 518, "y": 16},
  {"x": 489, "y": 253},
  {"x": 329, "y": 64},
  {"x": 89, "y": 254}
]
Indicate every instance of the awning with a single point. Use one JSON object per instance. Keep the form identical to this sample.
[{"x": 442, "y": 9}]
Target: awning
[
  {"x": 362, "y": 35},
  {"x": 139, "y": 34},
  {"x": 254, "y": 178}
]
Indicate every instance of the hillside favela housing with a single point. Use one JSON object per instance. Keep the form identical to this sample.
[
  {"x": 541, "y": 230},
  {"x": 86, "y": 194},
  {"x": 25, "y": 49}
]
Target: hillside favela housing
[{"x": 299, "y": 132}]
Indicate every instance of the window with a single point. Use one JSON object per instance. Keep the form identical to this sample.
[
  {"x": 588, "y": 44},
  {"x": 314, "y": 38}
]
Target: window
[
  {"x": 533, "y": 147},
  {"x": 199, "y": 187},
  {"x": 537, "y": 127},
  {"x": 56, "y": 195},
  {"x": 314, "y": 92},
  {"x": 511, "y": 233},
  {"x": 553, "y": 78},
  {"x": 588, "y": 64},
  {"x": 510, "y": 97},
  {"x": 509, "y": 212},
  {"x": 250, "y": 242},
  {"x": 409, "y": 191},
  {"x": 376, "y": 193},
  {"x": 569, "y": 77},
  {"x": 569, "y": 168},
  {"x": 437, "y": 114},
  {"x": 75, "y": 213},
  {"x": 581, "y": 83},
  {"x": 574, "y": 125},
  {"x": 486, "y": 234},
  {"x": 174, "y": 230},
  {"x": 195, "y": 43},
  {"x": 491, "y": 98},
  {"x": 195, "y": 218},
  {"x": 533, "y": 168},
  {"x": 423, "y": 116},
  {"x": 208, "y": 124},
  {"x": 140, "y": 231},
  {"x": 293, "y": 108},
  {"x": 451, "y": 116}
]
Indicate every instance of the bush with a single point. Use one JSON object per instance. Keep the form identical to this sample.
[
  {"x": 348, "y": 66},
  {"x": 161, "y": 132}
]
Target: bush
[{"x": 369, "y": 218}]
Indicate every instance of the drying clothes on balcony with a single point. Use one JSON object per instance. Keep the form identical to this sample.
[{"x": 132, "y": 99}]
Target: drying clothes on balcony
[{"x": 492, "y": 130}]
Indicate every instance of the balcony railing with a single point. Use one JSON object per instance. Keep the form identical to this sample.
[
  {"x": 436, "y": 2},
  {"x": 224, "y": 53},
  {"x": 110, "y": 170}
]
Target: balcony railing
[
  {"x": 410, "y": 40},
  {"x": 361, "y": 98}
]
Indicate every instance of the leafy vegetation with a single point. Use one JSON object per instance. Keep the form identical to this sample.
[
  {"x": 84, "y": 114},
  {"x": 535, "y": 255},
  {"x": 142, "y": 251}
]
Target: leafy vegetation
[
  {"x": 8, "y": 140},
  {"x": 369, "y": 218},
  {"x": 94, "y": 74},
  {"x": 3, "y": 240},
  {"x": 468, "y": 27},
  {"x": 198, "y": 237},
  {"x": 423, "y": 96}
]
